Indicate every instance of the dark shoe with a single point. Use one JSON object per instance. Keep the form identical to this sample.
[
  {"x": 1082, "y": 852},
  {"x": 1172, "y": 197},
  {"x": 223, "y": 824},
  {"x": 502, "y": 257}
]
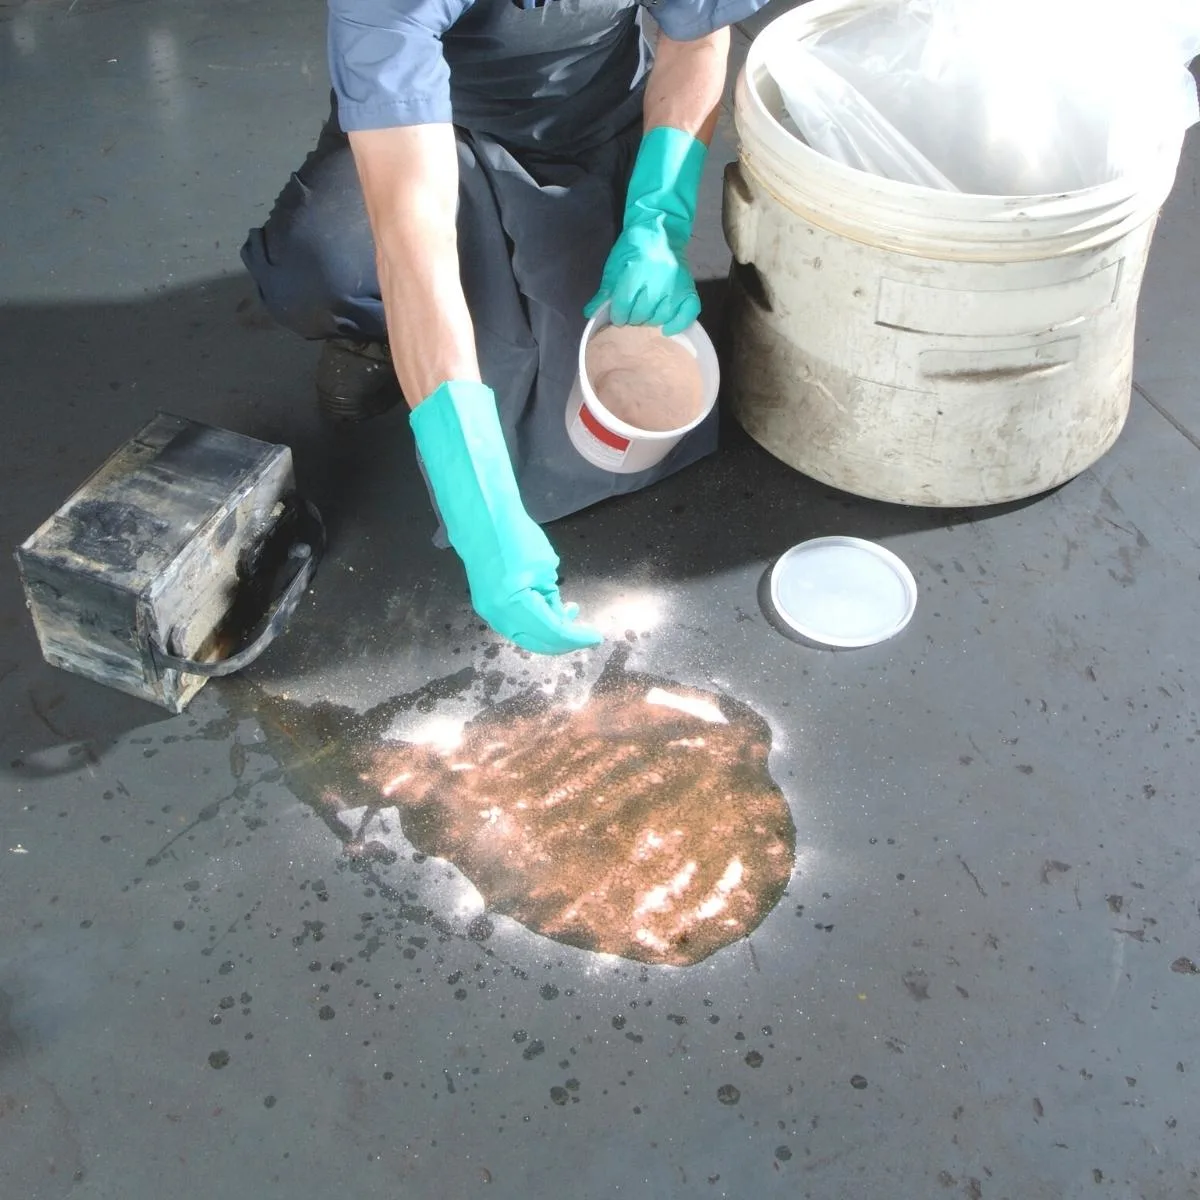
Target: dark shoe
[{"x": 355, "y": 380}]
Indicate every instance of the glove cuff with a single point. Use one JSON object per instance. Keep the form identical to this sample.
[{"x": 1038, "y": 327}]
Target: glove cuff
[
  {"x": 665, "y": 183},
  {"x": 458, "y": 436}
]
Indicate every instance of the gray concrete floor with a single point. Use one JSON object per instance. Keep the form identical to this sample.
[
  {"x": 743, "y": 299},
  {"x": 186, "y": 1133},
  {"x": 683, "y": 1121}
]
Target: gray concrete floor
[{"x": 997, "y": 893}]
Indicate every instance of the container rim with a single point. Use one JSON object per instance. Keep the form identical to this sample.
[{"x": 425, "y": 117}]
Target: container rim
[
  {"x": 600, "y": 320},
  {"x": 818, "y": 15}
]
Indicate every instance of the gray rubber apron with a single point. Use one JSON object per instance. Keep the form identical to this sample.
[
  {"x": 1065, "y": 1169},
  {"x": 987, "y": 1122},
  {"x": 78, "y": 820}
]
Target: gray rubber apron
[{"x": 536, "y": 222}]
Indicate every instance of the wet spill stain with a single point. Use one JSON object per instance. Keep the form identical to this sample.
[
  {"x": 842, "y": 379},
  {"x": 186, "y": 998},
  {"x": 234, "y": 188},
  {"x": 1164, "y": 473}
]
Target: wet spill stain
[{"x": 642, "y": 823}]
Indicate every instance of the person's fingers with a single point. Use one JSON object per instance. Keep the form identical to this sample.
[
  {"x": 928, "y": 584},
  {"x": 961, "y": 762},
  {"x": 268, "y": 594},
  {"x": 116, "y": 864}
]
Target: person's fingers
[
  {"x": 568, "y": 612},
  {"x": 684, "y": 315},
  {"x": 593, "y": 306},
  {"x": 541, "y": 629},
  {"x": 624, "y": 297},
  {"x": 575, "y": 637},
  {"x": 664, "y": 310},
  {"x": 641, "y": 312}
]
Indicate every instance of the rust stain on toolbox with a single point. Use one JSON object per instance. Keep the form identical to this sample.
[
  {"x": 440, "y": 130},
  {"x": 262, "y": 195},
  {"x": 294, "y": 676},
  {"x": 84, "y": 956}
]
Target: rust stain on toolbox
[{"x": 146, "y": 575}]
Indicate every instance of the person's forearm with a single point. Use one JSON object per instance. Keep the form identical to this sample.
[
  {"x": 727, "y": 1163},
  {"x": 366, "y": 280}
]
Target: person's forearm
[
  {"x": 686, "y": 84},
  {"x": 410, "y": 183}
]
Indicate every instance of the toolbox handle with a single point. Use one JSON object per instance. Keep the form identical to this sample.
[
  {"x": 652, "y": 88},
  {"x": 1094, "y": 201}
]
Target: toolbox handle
[{"x": 276, "y": 618}]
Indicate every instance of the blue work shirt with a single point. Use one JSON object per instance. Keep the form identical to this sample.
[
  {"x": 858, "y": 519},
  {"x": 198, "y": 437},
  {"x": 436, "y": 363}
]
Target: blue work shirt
[{"x": 566, "y": 74}]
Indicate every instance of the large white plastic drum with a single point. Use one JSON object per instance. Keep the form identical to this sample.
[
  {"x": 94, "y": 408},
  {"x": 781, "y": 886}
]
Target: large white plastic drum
[{"x": 920, "y": 346}]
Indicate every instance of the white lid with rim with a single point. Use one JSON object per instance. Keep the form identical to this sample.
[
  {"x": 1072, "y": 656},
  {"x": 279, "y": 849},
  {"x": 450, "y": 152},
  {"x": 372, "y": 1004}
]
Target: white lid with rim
[{"x": 843, "y": 591}]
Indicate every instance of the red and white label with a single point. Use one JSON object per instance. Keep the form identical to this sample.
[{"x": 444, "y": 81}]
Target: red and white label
[{"x": 609, "y": 447}]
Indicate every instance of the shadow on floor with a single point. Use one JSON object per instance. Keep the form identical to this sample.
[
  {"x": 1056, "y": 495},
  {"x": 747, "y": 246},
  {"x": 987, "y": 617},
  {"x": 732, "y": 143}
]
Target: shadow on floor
[{"x": 81, "y": 378}]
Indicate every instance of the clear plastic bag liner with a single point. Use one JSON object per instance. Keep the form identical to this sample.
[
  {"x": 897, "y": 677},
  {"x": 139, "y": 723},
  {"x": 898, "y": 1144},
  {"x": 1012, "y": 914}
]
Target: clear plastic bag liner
[{"x": 996, "y": 97}]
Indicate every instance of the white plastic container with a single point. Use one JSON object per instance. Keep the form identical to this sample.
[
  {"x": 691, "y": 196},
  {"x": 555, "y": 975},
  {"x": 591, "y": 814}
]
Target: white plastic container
[
  {"x": 920, "y": 346},
  {"x": 610, "y": 443}
]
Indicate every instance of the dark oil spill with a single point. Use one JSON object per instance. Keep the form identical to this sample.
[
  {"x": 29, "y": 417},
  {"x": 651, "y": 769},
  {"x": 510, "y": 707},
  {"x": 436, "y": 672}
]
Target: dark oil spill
[{"x": 643, "y": 823}]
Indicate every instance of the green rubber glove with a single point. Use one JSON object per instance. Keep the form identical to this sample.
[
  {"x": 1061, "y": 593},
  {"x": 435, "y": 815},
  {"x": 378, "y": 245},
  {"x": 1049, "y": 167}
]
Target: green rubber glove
[
  {"x": 511, "y": 567},
  {"x": 646, "y": 280}
]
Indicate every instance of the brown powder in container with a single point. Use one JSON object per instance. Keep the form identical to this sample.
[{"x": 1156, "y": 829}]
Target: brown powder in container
[{"x": 643, "y": 378}]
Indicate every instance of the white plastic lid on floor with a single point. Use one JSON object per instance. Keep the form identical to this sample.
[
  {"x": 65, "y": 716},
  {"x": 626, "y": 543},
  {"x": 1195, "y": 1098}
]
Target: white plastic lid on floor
[{"x": 843, "y": 592}]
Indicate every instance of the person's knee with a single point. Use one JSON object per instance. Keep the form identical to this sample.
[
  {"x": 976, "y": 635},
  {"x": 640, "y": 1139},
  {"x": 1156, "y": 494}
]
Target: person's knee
[{"x": 295, "y": 282}]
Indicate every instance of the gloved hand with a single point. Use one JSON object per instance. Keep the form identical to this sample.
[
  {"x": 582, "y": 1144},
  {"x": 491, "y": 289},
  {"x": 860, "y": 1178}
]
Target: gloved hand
[
  {"x": 646, "y": 280},
  {"x": 511, "y": 567}
]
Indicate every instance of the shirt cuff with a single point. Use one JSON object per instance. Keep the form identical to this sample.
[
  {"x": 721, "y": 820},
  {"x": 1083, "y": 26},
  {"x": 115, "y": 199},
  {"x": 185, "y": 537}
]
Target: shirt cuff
[
  {"x": 685, "y": 22},
  {"x": 394, "y": 113}
]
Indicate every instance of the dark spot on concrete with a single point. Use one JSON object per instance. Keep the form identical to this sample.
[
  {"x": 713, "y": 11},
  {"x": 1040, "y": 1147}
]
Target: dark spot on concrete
[
  {"x": 1185, "y": 966},
  {"x": 916, "y": 982},
  {"x": 1115, "y": 903},
  {"x": 559, "y": 1095},
  {"x": 226, "y": 1002},
  {"x": 10, "y": 1042},
  {"x": 326, "y": 1013},
  {"x": 549, "y": 992},
  {"x": 783, "y": 1153},
  {"x": 858, "y": 1081},
  {"x": 480, "y": 929},
  {"x": 520, "y": 1036},
  {"x": 1037, "y": 1107},
  {"x": 754, "y": 1059},
  {"x": 728, "y": 1094},
  {"x": 192, "y": 885},
  {"x": 1097, "y": 1175},
  {"x": 218, "y": 1059},
  {"x": 226, "y": 968},
  {"x": 269, "y": 1102},
  {"x": 1025, "y": 768},
  {"x": 534, "y": 1048},
  {"x": 1052, "y": 867},
  {"x": 618, "y": 1022},
  {"x": 946, "y": 1179}
]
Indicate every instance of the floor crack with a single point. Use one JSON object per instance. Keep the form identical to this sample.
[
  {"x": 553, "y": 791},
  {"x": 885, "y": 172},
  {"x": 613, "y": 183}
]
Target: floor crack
[
  {"x": 974, "y": 878},
  {"x": 1167, "y": 416}
]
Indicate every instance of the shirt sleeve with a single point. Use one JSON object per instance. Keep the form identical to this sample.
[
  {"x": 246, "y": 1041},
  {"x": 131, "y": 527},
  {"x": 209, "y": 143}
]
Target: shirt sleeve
[
  {"x": 686, "y": 20},
  {"x": 386, "y": 61}
]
